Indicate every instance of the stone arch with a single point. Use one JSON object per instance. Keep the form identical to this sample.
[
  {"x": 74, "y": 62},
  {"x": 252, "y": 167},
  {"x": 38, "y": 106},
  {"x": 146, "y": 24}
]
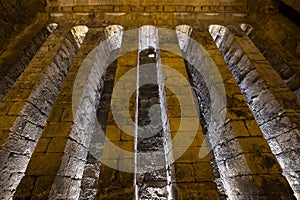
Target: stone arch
[
  {"x": 273, "y": 114},
  {"x": 22, "y": 60}
]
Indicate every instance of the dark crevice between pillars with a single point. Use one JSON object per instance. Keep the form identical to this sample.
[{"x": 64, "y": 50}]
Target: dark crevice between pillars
[{"x": 289, "y": 12}]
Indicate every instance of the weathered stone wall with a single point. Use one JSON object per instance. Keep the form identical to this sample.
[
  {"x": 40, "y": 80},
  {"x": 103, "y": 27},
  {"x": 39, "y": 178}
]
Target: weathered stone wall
[
  {"x": 235, "y": 143},
  {"x": 294, "y": 4},
  {"x": 148, "y": 6},
  {"x": 54, "y": 137},
  {"x": 12, "y": 68},
  {"x": 50, "y": 145},
  {"x": 194, "y": 176},
  {"x": 279, "y": 29},
  {"x": 286, "y": 65},
  {"x": 16, "y": 16}
]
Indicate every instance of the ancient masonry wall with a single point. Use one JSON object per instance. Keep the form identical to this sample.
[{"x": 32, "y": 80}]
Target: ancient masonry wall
[
  {"x": 285, "y": 64},
  {"x": 49, "y": 114},
  {"x": 15, "y": 66}
]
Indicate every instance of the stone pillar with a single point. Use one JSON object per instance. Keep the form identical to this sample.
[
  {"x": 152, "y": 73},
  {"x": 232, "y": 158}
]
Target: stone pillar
[
  {"x": 116, "y": 171},
  {"x": 26, "y": 106},
  {"x": 150, "y": 161},
  {"x": 245, "y": 163},
  {"x": 274, "y": 106},
  {"x": 81, "y": 96},
  {"x": 193, "y": 171},
  {"x": 47, "y": 154}
]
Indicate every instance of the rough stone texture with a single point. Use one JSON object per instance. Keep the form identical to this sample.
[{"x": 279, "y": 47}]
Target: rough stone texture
[
  {"x": 54, "y": 132},
  {"x": 229, "y": 149},
  {"x": 285, "y": 34},
  {"x": 148, "y": 6},
  {"x": 243, "y": 166},
  {"x": 92, "y": 168},
  {"x": 148, "y": 96},
  {"x": 120, "y": 183},
  {"x": 69, "y": 174},
  {"x": 16, "y": 16},
  {"x": 33, "y": 107},
  {"x": 191, "y": 171},
  {"x": 286, "y": 65},
  {"x": 261, "y": 91},
  {"x": 18, "y": 64}
]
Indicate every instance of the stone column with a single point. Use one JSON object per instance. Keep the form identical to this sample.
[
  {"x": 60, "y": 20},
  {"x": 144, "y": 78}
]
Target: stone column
[
  {"x": 80, "y": 96},
  {"x": 274, "y": 106},
  {"x": 26, "y": 106},
  {"x": 46, "y": 156},
  {"x": 245, "y": 162},
  {"x": 194, "y": 174},
  {"x": 116, "y": 170},
  {"x": 150, "y": 161}
]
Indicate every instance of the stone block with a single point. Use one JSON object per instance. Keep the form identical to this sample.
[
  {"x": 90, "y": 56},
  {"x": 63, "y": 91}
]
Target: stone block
[
  {"x": 5, "y": 107},
  {"x": 125, "y": 8},
  {"x": 6, "y": 122},
  {"x": 42, "y": 186},
  {"x": 19, "y": 145},
  {"x": 169, "y": 8},
  {"x": 33, "y": 115},
  {"x": 57, "y": 129},
  {"x": 151, "y": 8},
  {"x": 26, "y": 187},
  {"x": 253, "y": 128},
  {"x": 56, "y": 144},
  {"x": 56, "y": 114},
  {"x": 17, "y": 95},
  {"x": 290, "y": 160},
  {"x": 276, "y": 127},
  {"x": 227, "y": 149},
  {"x": 184, "y": 173},
  {"x": 203, "y": 172},
  {"x": 273, "y": 184},
  {"x": 190, "y": 155},
  {"x": 42, "y": 145},
  {"x": 71, "y": 167},
  {"x": 60, "y": 187},
  {"x": 254, "y": 145},
  {"x": 232, "y": 167},
  {"x": 188, "y": 190},
  {"x": 262, "y": 163},
  {"x": 16, "y": 108},
  {"x": 44, "y": 164},
  {"x": 289, "y": 141}
]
